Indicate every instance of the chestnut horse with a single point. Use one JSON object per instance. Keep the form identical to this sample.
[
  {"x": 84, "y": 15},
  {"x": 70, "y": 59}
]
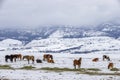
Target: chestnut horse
[
  {"x": 95, "y": 59},
  {"x": 46, "y": 56},
  {"x": 29, "y": 58},
  {"x": 106, "y": 57},
  {"x": 19, "y": 56},
  {"x": 110, "y": 65},
  {"x": 77, "y": 62},
  {"x": 50, "y": 60}
]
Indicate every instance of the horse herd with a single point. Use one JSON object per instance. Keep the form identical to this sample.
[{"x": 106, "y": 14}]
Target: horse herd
[
  {"x": 14, "y": 57},
  {"x": 49, "y": 59},
  {"x": 105, "y": 57}
]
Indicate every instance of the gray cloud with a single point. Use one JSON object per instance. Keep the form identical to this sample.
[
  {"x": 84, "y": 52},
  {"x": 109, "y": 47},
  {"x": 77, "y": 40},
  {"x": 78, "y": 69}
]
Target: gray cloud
[
  {"x": 1, "y": 2},
  {"x": 63, "y": 12}
]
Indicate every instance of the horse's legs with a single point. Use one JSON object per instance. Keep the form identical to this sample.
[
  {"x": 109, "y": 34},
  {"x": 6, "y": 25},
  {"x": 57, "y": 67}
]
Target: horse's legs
[
  {"x": 6, "y": 59},
  {"x": 43, "y": 59},
  {"x": 11, "y": 59},
  {"x": 33, "y": 61},
  {"x": 74, "y": 66},
  {"x": 78, "y": 66},
  {"x": 15, "y": 59},
  {"x": 28, "y": 61},
  {"x": 20, "y": 57}
]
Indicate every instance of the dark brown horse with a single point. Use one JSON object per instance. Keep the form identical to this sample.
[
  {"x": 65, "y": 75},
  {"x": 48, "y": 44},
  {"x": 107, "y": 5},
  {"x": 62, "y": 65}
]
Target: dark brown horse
[
  {"x": 46, "y": 56},
  {"x": 110, "y": 65},
  {"x": 10, "y": 57},
  {"x": 38, "y": 60},
  {"x": 77, "y": 62},
  {"x": 106, "y": 57},
  {"x": 95, "y": 59},
  {"x": 28, "y": 57}
]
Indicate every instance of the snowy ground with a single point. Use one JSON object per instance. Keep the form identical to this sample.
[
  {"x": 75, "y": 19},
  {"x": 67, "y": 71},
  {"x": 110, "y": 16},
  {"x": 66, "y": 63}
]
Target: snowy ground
[{"x": 62, "y": 60}]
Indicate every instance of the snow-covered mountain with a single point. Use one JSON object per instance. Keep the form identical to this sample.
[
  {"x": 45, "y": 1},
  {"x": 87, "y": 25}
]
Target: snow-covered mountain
[
  {"x": 27, "y": 35},
  {"x": 73, "y": 39}
]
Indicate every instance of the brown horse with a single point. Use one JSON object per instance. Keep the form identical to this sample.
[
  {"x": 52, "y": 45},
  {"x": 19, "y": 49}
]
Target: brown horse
[
  {"x": 19, "y": 56},
  {"x": 50, "y": 60},
  {"x": 95, "y": 59},
  {"x": 29, "y": 58},
  {"x": 110, "y": 65},
  {"x": 77, "y": 62},
  {"x": 106, "y": 57},
  {"x": 46, "y": 56}
]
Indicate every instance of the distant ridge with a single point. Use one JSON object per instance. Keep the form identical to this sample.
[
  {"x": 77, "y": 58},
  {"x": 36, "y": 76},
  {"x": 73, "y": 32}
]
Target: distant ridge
[{"x": 27, "y": 35}]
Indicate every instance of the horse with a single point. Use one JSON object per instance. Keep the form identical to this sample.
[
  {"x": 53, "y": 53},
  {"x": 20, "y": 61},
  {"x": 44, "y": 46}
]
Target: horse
[
  {"x": 46, "y": 56},
  {"x": 77, "y": 62},
  {"x": 110, "y": 65},
  {"x": 106, "y": 57},
  {"x": 29, "y": 58},
  {"x": 38, "y": 61},
  {"x": 11, "y": 57},
  {"x": 8, "y": 57},
  {"x": 50, "y": 60},
  {"x": 19, "y": 56},
  {"x": 95, "y": 59}
]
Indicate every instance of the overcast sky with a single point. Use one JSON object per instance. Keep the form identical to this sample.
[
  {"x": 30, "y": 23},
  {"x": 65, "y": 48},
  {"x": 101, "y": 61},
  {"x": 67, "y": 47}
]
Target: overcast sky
[{"x": 57, "y": 12}]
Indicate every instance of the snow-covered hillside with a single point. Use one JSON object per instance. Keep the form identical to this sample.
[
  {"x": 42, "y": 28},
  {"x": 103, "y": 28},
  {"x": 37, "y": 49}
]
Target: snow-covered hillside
[
  {"x": 9, "y": 44},
  {"x": 65, "y": 45},
  {"x": 89, "y": 44}
]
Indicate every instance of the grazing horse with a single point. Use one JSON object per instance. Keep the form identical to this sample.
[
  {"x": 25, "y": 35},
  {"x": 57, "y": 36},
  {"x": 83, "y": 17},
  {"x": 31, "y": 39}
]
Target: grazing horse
[
  {"x": 106, "y": 57},
  {"x": 29, "y": 58},
  {"x": 8, "y": 57},
  {"x": 19, "y": 56},
  {"x": 38, "y": 61},
  {"x": 95, "y": 59},
  {"x": 46, "y": 56},
  {"x": 50, "y": 60},
  {"x": 77, "y": 62},
  {"x": 11, "y": 57},
  {"x": 110, "y": 65}
]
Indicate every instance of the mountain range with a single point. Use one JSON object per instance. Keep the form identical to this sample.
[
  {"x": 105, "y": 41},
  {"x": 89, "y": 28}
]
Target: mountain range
[
  {"x": 43, "y": 32},
  {"x": 62, "y": 39}
]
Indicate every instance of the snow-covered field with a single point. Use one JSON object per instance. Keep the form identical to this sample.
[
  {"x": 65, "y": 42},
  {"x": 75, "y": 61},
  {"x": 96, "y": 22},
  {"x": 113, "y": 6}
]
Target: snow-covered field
[
  {"x": 61, "y": 61},
  {"x": 98, "y": 46}
]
